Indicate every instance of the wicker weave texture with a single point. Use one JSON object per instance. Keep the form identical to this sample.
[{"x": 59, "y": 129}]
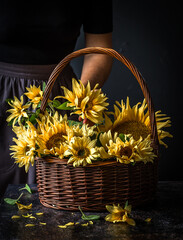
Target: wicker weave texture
[{"x": 64, "y": 187}]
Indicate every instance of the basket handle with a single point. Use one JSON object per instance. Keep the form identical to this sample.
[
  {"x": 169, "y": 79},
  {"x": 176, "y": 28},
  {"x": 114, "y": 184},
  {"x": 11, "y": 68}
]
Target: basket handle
[{"x": 111, "y": 52}]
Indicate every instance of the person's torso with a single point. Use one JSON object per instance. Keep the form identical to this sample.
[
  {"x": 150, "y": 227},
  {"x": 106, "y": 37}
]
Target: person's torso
[{"x": 38, "y": 33}]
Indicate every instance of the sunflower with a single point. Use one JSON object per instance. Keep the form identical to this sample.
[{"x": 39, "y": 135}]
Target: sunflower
[
  {"x": 18, "y": 110},
  {"x": 59, "y": 151},
  {"x": 87, "y": 103},
  {"x": 105, "y": 138},
  {"x": 25, "y": 148},
  {"x": 144, "y": 150},
  {"x": 78, "y": 93},
  {"x": 131, "y": 150},
  {"x": 93, "y": 106},
  {"x": 81, "y": 151},
  {"x": 136, "y": 121},
  {"x": 80, "y": 131},
  {"x": 35, "y": 95},
  {"x": 119, "y": 214},
  {"x": 52, "y": 133}
]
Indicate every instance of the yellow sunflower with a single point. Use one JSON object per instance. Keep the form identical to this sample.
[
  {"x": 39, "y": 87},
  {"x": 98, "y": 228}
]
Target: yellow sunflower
[
  {"x": 83, "y": 131},
  {"x": 52, "y": 133},
  {"x": 136, "y": 121},
  {"x": 18, "y": 110},
  {"x": 78, "y": 93},
  {"x": 25, "y": 148},
  {"x": 81, "y": 151},
  {"x": 131, "y": 150},
  {"x": 119, "y": 214},
  {"x": 59, "y": 151},
  {"x": 35, "y": 95},
  {"x": 87, "y": 103},
  {"x": 93, "y": 106},
  {"x": 105, "y": 138},
  {"x": 144, "y": 150}
]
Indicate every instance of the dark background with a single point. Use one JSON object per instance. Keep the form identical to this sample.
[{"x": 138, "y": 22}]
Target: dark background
[{"x": 149, "y": 34}]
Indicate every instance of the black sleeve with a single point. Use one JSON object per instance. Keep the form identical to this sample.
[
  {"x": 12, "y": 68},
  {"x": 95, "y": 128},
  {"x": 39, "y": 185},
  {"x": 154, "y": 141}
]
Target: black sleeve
[{"x": 98, "y": 17}]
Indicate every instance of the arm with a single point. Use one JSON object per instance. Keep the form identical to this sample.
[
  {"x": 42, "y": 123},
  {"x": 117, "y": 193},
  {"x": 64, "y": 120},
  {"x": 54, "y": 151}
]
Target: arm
[{"x": 97, "y": 67}]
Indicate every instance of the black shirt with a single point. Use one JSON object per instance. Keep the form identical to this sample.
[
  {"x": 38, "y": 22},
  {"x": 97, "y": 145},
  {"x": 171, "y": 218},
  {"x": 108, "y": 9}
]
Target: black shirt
[{"x": 43, "y": 32}]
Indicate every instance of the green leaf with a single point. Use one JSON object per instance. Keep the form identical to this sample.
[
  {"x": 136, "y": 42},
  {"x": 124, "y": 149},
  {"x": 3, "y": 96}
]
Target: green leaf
[
  {"x": 9, "y": 100},
  {"x": 62, "y": 106},
  {"x": 56, "y": 103},
  {"x": 26, "y": 188},
  {"x": 88, "y": 217},
  {"x": 39, "y": 105},
  {"x": 32, "y": 119},
  {"x": 43, "y": 86},
  {"x": 99, "y": 144},
  {"x": 11, "y": 122},
  {"x": 72, "y": 123},
  {"x": 38, "y": 112},
  {"x": 122, "y": 137},
  {"x": 126, "y": 204},
  {"x": 12, "y": 201}
]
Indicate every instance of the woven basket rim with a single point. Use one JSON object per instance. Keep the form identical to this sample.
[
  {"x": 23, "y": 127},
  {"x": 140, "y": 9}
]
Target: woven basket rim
[{"x": 112, "y": 162}]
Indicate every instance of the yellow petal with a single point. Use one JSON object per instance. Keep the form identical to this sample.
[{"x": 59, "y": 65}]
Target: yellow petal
[
  {"x": 69, "y": 224},
  {"x": 148, "y": 220},
  {"x": 27, "y": 216},
  {"x": 114, "y": 217},
  {"x": 42, "y": 223},
  {"x": 21, "y": 206},
  {"x": 39, "y": 213},
  {"x": 62, "y": 226},
  {"x": 15, "y": 217},
  {"x": 114, "y": 208},
  {"x": 30, "y": 225},
  {"x": 130, "y": 221},
  {"x": 84, "y": 224}
]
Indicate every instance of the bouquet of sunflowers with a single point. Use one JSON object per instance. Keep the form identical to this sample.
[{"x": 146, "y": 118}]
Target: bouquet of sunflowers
[{"x": 122, "y": 135}]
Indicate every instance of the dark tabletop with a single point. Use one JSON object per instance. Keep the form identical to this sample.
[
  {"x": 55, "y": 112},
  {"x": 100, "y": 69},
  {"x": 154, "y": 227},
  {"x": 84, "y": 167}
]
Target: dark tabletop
[{"x": 166, "y": 213}]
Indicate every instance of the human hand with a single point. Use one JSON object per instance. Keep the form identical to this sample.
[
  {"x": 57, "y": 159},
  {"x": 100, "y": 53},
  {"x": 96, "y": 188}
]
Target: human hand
[{"x": 86, "y": 121}]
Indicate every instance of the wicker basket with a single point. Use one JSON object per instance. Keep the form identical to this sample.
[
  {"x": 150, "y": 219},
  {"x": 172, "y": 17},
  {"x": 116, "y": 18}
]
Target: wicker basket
[{"x": 61, "y": 186}]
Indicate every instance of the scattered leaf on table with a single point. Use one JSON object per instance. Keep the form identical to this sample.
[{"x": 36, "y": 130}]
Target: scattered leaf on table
[
  {"x": 26, "y": 188},
  {"x": 12, "y": 201},
  {"x": 88, "y": 217}
]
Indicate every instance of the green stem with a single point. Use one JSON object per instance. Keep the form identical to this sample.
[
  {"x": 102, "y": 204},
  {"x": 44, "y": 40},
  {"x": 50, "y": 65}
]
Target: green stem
[
  {"x": 19, "y": 196},
  {"x": 82, "y": 212}
]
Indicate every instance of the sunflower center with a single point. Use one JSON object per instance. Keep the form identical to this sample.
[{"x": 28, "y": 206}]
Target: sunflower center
[
  {"x": 83, "y": 152},
  {"x": 125, "y": 151},
  {"x": 89, "y": 105},
  {"x": 26, "y": 149},
  {"x": 55, "y": 141},
  {"x": 135, "y": 128}
]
